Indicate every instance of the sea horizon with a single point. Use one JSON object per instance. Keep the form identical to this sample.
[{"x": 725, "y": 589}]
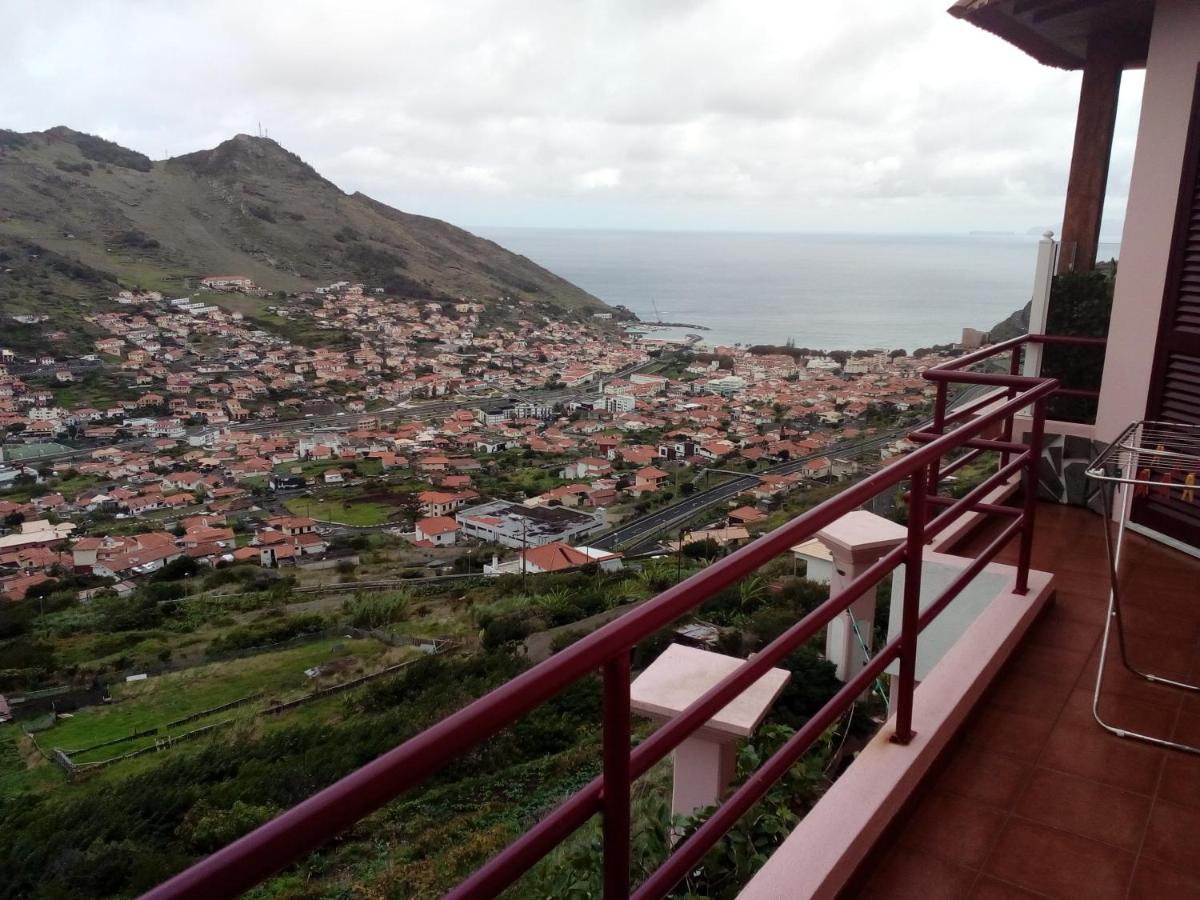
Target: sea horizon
[{"x": 827, "y": 290}]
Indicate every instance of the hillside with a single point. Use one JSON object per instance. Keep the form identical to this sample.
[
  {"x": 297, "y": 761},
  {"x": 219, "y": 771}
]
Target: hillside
[
  {"x": 1014, "y": 325},
  {"x": 35, "y": 281},
  {"x": 248, "y": 207}
]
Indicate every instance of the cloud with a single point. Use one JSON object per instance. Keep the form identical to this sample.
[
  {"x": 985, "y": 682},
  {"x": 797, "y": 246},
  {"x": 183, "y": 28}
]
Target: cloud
[
  {"x": 781, "y": 114},
  {"x": 598, "y": 179}
]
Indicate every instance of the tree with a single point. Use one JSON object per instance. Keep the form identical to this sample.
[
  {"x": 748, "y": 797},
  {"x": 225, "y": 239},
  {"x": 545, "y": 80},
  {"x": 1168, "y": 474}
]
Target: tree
[{"x": 177, "y": 569}]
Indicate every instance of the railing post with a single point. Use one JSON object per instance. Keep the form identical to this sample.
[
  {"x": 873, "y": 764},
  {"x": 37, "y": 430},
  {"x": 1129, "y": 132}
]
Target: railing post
[
  {"x": 913, "y": 552},
  {"x": 939, "y": 427},
  {"x": 1014, "y": 368},
  {"x": 616, "y": 778},
  {"x": 1039, "y": 306},
  {"x": 1032, "y": 472}
]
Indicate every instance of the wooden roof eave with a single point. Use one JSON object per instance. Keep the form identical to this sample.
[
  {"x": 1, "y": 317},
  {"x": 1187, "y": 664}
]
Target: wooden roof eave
[{"x": 990, "y": 17}]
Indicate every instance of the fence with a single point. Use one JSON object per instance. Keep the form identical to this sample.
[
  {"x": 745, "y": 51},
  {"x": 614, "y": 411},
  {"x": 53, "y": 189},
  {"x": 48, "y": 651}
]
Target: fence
[
  {"x": 64, "y": 757},
  {"x": 166, "y": 743},
  {"x": 344, "y": 686}
]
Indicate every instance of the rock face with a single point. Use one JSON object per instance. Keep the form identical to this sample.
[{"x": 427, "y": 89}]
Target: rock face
[
  {"x": 1016, "y": 324},
  {"x": 250, "y": 207}
]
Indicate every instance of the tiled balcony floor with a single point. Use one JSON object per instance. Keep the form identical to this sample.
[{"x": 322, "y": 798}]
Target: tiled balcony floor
[{"x": 1035, "y": 799}]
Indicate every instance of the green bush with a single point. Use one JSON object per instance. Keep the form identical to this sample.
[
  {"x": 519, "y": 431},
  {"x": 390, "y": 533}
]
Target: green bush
[
  {"x": 266, "y": 632},
  {"x": 1080, "y": 305}
]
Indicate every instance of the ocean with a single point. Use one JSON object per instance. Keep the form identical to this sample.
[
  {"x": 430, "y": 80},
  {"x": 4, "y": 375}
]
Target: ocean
[{"x": 827, "y": 291}]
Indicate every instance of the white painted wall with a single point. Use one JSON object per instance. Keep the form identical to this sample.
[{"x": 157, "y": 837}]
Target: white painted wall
[{"x": 1150, "y": 215}]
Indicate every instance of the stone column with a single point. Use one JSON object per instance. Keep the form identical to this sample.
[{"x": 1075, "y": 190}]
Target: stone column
[
  {"x": 856, "y": 541},
  {"x": 704, "y": 764}
]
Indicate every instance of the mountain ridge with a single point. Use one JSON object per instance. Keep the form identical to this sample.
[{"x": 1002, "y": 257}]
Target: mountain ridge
[{"x": 248, "y": 206}]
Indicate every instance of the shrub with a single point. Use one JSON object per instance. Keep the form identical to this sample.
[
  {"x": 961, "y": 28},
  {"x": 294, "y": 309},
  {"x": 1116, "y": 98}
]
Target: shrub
[{"x": 266, "y": 632}]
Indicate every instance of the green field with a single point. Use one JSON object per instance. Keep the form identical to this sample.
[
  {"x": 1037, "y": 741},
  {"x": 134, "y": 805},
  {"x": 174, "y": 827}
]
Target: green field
[
  {"x": 158, "y": 700},
  {"x": 351, "y": 512},
  {"x": 16, "y": 755}
]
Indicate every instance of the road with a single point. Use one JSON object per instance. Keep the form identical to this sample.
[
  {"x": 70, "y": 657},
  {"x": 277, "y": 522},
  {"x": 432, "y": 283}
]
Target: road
[
  {"x": 654, "y": 522},
  {"x": 639, "y": 531}
]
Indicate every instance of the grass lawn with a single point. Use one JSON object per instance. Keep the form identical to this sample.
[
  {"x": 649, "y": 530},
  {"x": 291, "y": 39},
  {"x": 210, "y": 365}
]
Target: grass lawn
[
  {"x": 161, "y": 699},
  {"x": 21, "y": 766},
  {"x": 359, "y": 513}
]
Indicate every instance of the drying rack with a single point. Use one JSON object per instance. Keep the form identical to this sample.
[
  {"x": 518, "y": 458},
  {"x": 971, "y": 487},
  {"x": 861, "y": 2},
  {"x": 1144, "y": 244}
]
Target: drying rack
[{"x": 1161, "y": 458}]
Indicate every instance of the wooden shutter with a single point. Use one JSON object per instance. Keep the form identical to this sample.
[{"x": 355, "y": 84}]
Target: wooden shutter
[{"x": 1175, "y": 386}]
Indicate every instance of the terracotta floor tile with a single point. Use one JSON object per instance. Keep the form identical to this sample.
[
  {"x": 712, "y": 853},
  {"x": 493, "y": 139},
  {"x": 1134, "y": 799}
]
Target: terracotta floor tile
[
  {"x": 1086, "y": 808},
  {"x": 1155, "y": 654},
  {"x": 986, "y": 777},
  {"x": 905, "y": 875},
  {"x": 1154, "y": 718},
  {"x": 1054, "y": 664},
  {"x": 1058, "y": 864},
  {"x": 1029, "y": 696},
  {"x": 1180, "y": 782},
  {"x": 1150, "y": 622},
  {"x": 1095, "y": 754},
  {"x": 1162, "y": 595},
  {"x": 987, "y": 888},
  {"x": 1155, "y": 881},
  {"x": 1056, "y": 629},
  {"x": 1001, "y": 731},
  {"x": 1172, "y": 836},
  {"x": 952, "y": 828},
  {"x": 1090, "y": 814},
  {"x": 1119, "y": 680},
  {"x": 1080, "y": 605}
]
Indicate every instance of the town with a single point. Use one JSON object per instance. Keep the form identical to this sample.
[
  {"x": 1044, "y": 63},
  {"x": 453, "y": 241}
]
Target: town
[
  {"x": 242, "y": 518},
  {"x": 217, "y": 441}
]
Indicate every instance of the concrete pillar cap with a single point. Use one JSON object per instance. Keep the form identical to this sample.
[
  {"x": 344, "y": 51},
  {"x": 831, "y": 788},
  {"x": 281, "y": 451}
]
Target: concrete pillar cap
[
  {"x": 860, "y": 533},
  {"x": 681, "y": 675}
]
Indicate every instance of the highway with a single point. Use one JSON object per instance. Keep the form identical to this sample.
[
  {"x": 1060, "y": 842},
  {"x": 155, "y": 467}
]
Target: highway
[
  {"x": 641, "y": 530},
  {"x": 651, "y": 524}
]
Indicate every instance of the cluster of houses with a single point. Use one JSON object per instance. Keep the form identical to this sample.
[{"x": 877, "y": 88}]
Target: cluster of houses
[
  {"x": 184, "y": 360},
  {"x": 630, "y": 440}
]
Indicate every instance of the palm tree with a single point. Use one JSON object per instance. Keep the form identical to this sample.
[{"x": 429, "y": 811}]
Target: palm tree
[{"x": 751, "y": 590}]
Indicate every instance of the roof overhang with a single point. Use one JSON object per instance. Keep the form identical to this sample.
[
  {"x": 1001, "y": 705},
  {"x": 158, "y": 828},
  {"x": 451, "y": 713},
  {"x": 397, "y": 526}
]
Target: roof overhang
[{"x": 1056, "y": 32}]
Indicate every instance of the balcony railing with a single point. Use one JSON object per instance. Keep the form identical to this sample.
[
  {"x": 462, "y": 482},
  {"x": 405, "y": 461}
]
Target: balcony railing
[{"x": 306, "y": 826}]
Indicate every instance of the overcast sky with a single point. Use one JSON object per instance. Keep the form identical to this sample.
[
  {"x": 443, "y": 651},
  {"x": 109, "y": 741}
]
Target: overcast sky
[{"x": 857, "y": 115}]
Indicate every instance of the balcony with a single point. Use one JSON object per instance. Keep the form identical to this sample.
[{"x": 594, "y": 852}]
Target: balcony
[
  {"x": 1034, "y": 798},
  {"x": 1025, "y": 769}
]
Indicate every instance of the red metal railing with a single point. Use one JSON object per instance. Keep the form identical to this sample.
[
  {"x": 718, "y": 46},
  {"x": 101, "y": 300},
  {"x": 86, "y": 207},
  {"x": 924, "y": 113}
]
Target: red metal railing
[{"x": 306, "y": 826}]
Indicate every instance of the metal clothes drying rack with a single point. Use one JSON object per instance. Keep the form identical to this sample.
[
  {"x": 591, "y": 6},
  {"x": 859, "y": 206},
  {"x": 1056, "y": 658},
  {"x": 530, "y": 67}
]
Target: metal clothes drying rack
[{"x": 1148, "y": 457}]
